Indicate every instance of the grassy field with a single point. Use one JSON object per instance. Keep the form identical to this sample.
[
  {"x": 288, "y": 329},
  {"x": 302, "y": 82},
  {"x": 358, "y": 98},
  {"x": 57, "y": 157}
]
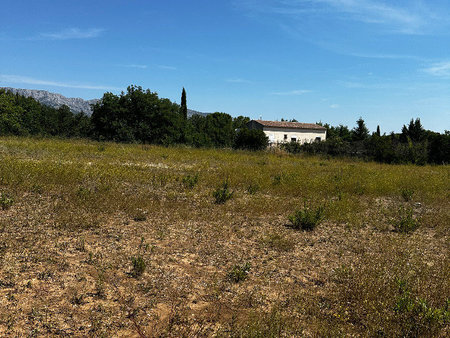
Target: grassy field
[{"x": 103, "y": 239}]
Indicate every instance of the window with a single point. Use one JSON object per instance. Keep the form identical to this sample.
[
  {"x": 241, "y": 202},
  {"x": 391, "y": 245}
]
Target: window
[
  {"x": 285, "y": 136},
  {"x": 318, "y": 139},
  {"x": 293, "y": 139}
]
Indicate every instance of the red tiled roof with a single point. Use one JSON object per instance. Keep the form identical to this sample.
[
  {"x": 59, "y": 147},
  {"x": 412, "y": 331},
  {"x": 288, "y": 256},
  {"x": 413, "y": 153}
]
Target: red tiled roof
[{"x": 293, "y": 125}]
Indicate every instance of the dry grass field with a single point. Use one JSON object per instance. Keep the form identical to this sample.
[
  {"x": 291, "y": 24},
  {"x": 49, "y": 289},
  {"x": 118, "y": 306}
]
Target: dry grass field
[{"x": 110, "y": 240}]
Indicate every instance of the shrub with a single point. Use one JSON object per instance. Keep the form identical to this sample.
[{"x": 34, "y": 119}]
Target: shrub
[
  {"x": 292, "y": 147},
  {"x": 250, "y": 139},
  {"x": 222, "y": 193},
  {"x": 138, "y": 262},
  {"x": 278, "y": 242},
  {"x": 405, "y": 222},
  {"x": 239, "y": 273},
  {"x": 416, "y": 316},
  {"x": 407, "y": 194},
  {"x": 138, "y": 266},
  {"x": 307, "y": 218},
  {"x": 253, "y": 188},
  {"x": 5, "y": 201},
  {"x": 189, "y": 181}
]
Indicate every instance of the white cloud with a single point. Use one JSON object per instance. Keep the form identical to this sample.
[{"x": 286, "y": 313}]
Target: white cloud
[
  {"x": 408, "y": 17},
  {"x": 18, "y": 79},
  {"x": 440, "y": 69},
  {"x": 134, "y": 66},
  {"x": 334, "y": 106},
  {"x": 237, "y": 80},
  {"x": 167, "y": 67},
  {"x": 73, "y": 33},
  {"x": 293, "y": 92}
]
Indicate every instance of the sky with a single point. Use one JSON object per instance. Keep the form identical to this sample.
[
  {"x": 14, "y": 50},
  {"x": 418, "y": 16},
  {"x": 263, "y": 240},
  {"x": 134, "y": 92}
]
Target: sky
[{"x": 331, "y": 61}]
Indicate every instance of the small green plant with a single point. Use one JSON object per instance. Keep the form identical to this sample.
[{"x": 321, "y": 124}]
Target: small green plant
[
  {"x": 139, "y": 216},
  {"x": 278, "y": 242},
  {"x": 5, "y": 201},
  {"x": 307, "y": 218},
  {"x": 276, "y": 180},
  {"x": 138, "y": 262},
  {"x": 239, "y": 273},
  {"x": 190, "y": 181},
  {"x": 138, "y": 266},
  {"x": 253, "y": 188},
  {"x": 407, "y": 194},
  {"x": 222, "y": 193},
  {"x": 416, "y": 315},
  {"x": 405, "y": 221}
]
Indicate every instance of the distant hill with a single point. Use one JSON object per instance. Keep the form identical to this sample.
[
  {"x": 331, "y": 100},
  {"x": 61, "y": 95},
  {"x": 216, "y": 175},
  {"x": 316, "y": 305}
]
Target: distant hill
[{"x": 56, "y": 100}]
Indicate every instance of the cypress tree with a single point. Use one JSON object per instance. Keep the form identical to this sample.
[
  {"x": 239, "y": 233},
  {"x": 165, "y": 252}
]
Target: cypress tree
[
  {"x": 183, "y": 107},
  {"x": 378, "y": 131}
]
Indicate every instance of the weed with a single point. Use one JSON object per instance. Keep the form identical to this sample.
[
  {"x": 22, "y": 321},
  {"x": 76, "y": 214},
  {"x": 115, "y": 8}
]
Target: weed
[
  {"x": 276, "y": 180},
  {"x": 140, "y": 216},
  {"x": 278, "y": 242},
  {"x": 416, "y": 316},
  {"x": 5, "y": 201},
  {"x": 190, "y": 181},
  {"x": 253, "y": 188},
  {"x": 405, "y": 222},
  {"x": 223, "y": 193},
  {"x": 138, "y": 266},
  {"x": 407, "y": 194},
  {"x": 239, "y": 273},
  {"x": 138, "y": 262},
  {"x": 307, "y": 218}
]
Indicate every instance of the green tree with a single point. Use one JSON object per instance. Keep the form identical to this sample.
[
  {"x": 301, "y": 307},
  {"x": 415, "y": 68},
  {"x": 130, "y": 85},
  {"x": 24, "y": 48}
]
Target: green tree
[
  {"x": 251, "y": 139},
  {"x": 183, "y": 106},
  {"x": 360, "y": 132}
]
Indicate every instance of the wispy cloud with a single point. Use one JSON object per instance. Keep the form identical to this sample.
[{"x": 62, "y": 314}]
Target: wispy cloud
[
  {"x": 167, "y": 67},
  {"x": 134, "y": 66},
  {"x": 440, "y": 69},
  {"x": 19, "y": 79},
  {"x": 334, "y": 106},
  {"x": 237, "y": 80},
  {"x": 292, "y": 92},
  {"x": 410, "y": 17},
  {"x": 72, "y": 33}
]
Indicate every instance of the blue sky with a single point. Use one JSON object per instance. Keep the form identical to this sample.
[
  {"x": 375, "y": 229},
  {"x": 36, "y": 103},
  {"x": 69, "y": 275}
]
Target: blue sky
[{"x": 312, "y": 60}]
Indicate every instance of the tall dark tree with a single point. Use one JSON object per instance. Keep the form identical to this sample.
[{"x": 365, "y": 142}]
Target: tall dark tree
[
  {"x": 183, "y": 106},
  {"x": 378, "y": 130},
  {"x": 360, "y": 132}
]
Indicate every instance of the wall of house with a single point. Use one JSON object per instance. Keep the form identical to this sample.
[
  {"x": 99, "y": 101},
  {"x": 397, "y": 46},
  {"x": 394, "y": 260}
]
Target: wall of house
[{"x": 281, "y": 135}]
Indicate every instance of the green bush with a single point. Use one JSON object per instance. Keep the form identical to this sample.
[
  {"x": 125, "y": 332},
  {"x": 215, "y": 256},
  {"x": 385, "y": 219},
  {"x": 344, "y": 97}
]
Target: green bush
[
  {"x": 251, "y": 139},
  {"x": 5, "y": 201},
  {"x": 416, "y": 316},
  {"x": 189, "y": 181},
  {"x": 138, "y": 266},
  {"x": 239, "y": 273},
  {"x": 405, "y": 222},
  {"x": 407, "y": 194},
  {"x": 222, "y": 193},
  {"x": 307, "y": 218}
]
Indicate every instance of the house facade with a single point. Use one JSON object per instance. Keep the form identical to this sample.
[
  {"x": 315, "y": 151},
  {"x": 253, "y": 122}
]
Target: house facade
[{"x": 282, "y": 132}]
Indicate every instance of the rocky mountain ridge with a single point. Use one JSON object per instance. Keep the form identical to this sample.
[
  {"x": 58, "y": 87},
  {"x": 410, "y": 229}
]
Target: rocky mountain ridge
[{"x": 56, "y": 100}]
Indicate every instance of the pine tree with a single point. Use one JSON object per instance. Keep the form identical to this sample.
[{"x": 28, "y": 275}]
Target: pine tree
[
  {"x": 360, "y": 132},
  {"x": 378, "y": 131},
  {"x": 183, "y": 107}
]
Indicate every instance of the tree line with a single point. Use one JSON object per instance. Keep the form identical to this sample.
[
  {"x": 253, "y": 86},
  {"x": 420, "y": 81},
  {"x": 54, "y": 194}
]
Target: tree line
[
  {"x": 134, "y": 116},
  {"x": 140, "y": 116},
  {"x": 413, "y": 145}
]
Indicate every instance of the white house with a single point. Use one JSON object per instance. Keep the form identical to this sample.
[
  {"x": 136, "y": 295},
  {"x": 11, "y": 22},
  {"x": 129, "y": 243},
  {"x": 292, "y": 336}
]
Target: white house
[{"x": 281, "y": 132}]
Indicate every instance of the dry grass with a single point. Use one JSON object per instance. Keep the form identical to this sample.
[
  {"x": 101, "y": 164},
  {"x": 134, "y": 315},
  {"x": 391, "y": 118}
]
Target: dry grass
[{"x": 84, "y": 212}]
